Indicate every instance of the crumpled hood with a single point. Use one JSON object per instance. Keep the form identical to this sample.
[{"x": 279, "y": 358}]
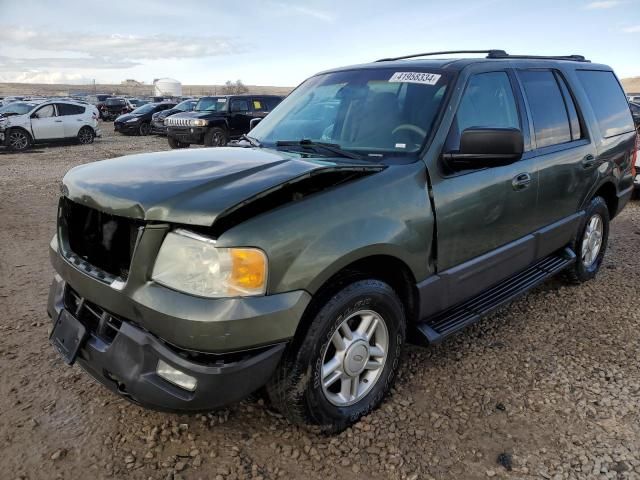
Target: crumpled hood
[{"x": 188, "y": 186}]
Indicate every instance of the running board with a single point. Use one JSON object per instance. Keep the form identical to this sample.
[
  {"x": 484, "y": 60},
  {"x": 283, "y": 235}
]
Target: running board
[{"x": 436, "y": 328}]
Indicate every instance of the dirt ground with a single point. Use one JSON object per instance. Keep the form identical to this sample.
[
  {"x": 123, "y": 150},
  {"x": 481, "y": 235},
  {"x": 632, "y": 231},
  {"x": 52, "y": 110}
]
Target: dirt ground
[{"x": 546, "y": 388}]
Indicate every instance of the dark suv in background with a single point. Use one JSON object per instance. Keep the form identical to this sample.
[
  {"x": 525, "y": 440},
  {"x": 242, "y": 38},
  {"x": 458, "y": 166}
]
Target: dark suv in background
[
  {"x": 139, "y": 120},
  {"x": 216, "y": 120},
  {"x": 113, "y": 107},
  {"x": 157, "y": 119}
]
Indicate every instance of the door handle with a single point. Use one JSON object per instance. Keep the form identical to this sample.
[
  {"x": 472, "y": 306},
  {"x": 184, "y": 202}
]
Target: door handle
[
  {"x": 589, "y": 161},
  {"x": 58, "y": 121},
  {"x": 521, "y": 181}
]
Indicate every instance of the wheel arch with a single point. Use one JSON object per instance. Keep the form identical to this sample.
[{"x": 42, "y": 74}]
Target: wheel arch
[
  {"x": 384, "y": 267},
  {"x": 608, "y": 191}
]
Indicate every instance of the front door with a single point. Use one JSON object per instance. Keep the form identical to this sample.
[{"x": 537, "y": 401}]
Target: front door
[
  {"x": 46, "y": 125},
  {"x": 484, "y": 215},
  {"x": 239, "y": 116}
]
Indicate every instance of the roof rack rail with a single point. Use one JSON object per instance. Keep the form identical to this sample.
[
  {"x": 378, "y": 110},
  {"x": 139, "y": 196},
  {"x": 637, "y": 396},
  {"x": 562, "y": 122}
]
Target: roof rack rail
[
  {"x": 429, "y": 54},
  {"x": 503, "y": 54},
  {"x": 492, "y": 54}
]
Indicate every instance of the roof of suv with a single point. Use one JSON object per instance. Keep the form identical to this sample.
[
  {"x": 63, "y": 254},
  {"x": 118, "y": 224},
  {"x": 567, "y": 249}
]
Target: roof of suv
[{"x": 459, "y": 63}]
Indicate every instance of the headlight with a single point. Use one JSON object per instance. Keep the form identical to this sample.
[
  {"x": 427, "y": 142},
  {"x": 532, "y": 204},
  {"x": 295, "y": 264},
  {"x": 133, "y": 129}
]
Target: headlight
[
  {"x": 131, "y": 120},
  {"x": 191, "y": 263},
  {"x": 198, "y": 122}
]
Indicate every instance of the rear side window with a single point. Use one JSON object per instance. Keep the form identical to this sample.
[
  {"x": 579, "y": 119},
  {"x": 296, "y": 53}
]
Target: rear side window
[
  {"x": 488, "y": 102},
  {"x": 548, "y": 110},
  {"x": 608, "y": 101},
  {"x": 258, "y": 104},
  {"x": 68, "y": 109},
  {"x": 271, "y": 102}
]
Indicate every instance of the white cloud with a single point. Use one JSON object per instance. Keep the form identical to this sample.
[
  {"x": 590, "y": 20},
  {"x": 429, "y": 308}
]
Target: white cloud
[
  {"x": 120, "y": 47},
  {"x": 603, "y": 4},
  {"x": 633, "y": 29},
  {"x": 284, "y": 9},
  {"x": 10, "y": 64},
  {"x": 45, "y": 77}
]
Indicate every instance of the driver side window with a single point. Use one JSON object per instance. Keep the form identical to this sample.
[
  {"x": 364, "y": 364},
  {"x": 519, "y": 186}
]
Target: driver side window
[
  {"x": 487, "y": 102},
  {"x": 46, "y": 112}
]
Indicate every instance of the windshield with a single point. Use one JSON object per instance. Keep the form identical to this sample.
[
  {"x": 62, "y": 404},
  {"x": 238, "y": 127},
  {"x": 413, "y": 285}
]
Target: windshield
[
  {"x": 185, "y": 106},
  {"x": 212, "y": 104},
  {"x": 149, "y": 107},
  {"x": 18, "y": 108},
  {"x": 115, "y": 101},
  {"x": 372, "y": 110}
]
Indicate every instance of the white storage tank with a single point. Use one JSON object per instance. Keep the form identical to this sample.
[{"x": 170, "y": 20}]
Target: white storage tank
[{"x": 167, "y": 87}]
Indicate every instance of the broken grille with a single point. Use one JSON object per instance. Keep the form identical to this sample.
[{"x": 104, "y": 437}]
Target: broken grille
[
  {"x": 102, "y": 240},
  {"x": 98, "y": 321}
]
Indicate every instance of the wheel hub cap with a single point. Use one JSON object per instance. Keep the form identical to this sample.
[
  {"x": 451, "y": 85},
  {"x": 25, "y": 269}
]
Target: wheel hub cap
[
  {"x": 592, "y": 240},
  {"x": 354, "y": 359}
]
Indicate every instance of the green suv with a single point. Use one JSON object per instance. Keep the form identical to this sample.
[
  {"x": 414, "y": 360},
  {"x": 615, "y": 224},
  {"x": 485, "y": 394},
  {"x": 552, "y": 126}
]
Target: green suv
[{"x": 401, "y": 199}]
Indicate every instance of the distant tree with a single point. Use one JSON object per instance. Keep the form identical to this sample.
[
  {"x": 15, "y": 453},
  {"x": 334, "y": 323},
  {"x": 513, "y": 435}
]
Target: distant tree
[{"x": 231, "y": 88}]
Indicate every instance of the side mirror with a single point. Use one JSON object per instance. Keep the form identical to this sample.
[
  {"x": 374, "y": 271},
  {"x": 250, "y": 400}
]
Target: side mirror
[
  {"x": 253, "y": 122},
  {"x": 487, "y": 147}
]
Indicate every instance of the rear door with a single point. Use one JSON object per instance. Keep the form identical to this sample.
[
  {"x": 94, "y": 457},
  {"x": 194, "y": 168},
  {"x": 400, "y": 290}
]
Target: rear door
[
  {"x": 239, "y": 116},
  {"x": 73, "y": 118},
  {"x": 566, "y": 157},
  {"x": 45, "y": 124}
]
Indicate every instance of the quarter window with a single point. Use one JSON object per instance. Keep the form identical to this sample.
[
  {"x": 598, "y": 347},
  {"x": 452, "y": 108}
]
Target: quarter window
[
  {"x": 608, "y": 101},
  {"x": 487, "y": 102},
  {"x": 548, "y": 111},
  {"x": 69, "y": 109}
]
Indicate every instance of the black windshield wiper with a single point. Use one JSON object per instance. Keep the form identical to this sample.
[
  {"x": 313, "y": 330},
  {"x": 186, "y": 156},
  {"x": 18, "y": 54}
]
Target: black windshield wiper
[
  {"x": 331, "y": 147},
  {"x": 250, "y": 140}
]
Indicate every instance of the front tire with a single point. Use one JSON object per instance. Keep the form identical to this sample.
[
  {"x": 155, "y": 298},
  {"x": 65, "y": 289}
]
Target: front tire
[
  {"x": 216, "y": 137},
  {"x": 173, "y": 143},
  {"x": 18, "y": 140},
  {"x": 591, "y": 242},
  {"x": 144, "y": 129},
  {"x": 343, "y": 365}
]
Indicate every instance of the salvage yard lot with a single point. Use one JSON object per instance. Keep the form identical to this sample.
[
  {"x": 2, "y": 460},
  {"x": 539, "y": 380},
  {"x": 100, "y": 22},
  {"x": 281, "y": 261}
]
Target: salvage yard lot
[{"x": 550, "y": 385}]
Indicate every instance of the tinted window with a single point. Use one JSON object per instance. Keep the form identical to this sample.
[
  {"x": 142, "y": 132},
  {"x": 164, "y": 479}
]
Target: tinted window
[
  {"x": 272, "y": 102},
  {"x": 608, "y": 101},
  {"x": 574, "y": 120},
  {"x": 68, "y": 109},
  {"x": 635, "y": 109},
  {"x": 549, "y": 113},
  {"x": 487, "y": 101},
  {"x": 239, "y": 106},
  {"x": 46, "y": 112},
  {"x": 258, "y": 104}
]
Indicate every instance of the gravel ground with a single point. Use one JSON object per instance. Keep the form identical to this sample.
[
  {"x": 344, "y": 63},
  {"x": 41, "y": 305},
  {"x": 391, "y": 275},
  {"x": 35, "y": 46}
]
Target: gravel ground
[{"x": 546, "y": 388}]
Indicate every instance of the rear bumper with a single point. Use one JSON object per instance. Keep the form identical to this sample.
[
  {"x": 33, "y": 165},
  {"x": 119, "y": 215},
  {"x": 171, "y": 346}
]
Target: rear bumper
[{"x": 126, "y": 363}]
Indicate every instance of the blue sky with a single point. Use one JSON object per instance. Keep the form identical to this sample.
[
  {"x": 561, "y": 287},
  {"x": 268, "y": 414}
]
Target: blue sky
[{"x": 281, "y": 42}]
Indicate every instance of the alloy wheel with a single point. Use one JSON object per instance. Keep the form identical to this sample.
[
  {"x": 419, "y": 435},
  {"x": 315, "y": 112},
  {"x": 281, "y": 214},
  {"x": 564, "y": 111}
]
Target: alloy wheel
[
  {"x": 354, "y": 359},
  {"x": 18, "y": 140},
  {"x": 592, "y": 240},
  {"x": 85, "y": 136}
]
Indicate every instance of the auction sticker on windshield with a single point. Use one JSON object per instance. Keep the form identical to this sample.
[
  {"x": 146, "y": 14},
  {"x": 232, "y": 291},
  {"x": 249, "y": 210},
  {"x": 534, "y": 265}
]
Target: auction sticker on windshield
[{"x": 415, "y": 77}]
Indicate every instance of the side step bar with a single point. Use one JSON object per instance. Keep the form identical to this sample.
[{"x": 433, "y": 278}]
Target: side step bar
[{"x": 436, "y": 328}]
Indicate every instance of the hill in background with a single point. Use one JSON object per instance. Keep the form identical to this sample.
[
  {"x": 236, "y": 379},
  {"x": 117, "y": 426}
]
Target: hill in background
[
  {"x": 631, "y": 85},
  {"x": 42, "y": 89}
]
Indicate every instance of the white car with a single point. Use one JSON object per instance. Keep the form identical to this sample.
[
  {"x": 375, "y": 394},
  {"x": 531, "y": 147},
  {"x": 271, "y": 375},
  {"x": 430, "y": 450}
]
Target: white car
[{"x": 48, "y": 122}]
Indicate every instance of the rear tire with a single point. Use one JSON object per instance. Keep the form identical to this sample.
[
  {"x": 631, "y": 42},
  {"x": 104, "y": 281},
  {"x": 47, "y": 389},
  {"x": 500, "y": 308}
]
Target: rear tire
[
  {"x": 173, "y": 143},
  {"x": 18, "y": 140},
  {"x": 86, "y": 135},
  {"x": 328, "y": 382},
  {"x": 591, "y": 242},
  {"x": 144, "y": 129},
  {"x": 216, "y": 137}
]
